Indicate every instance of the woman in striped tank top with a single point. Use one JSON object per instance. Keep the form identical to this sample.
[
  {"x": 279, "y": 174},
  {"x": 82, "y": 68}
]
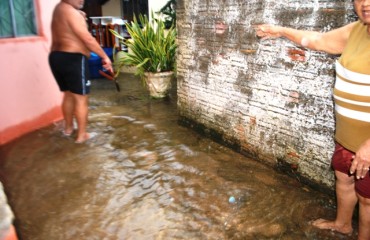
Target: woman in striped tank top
[{"x": 351, "y": 158}]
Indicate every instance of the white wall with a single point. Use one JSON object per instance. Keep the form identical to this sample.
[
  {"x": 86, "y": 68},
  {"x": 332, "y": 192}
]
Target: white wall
[{"x": 156, "y": 5}]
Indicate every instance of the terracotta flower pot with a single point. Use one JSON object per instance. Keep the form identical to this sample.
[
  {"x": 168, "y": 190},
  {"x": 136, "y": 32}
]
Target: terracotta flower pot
[{"x": 158, "y": 84}]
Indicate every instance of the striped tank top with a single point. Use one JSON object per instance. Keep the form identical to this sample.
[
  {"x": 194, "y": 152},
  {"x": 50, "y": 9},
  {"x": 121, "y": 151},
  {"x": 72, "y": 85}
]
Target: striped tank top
[{"x": 352, "y": 90}]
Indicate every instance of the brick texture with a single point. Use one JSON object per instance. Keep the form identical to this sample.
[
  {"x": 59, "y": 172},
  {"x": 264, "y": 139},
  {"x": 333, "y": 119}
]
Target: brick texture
[{"x": 270, "y": 98}]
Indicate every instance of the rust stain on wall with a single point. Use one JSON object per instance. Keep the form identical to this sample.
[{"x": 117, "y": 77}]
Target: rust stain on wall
[
  {"x": 293, "y": 97},
  {"x": 220, "y": 27},
  {"x": 297, "y": 54}
]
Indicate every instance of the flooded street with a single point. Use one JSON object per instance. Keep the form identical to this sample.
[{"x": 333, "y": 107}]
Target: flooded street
[{"x": 144, "y": 176}]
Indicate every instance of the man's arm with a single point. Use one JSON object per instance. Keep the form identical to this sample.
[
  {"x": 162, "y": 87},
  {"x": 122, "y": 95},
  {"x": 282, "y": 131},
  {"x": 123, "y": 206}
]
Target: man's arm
[
  {"x": 78, "y": 26},
  {"x": 332, "y": 42}
]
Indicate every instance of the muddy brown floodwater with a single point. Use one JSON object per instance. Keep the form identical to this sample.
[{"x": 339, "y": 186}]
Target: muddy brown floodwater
[{"x": 144, "y": 176}]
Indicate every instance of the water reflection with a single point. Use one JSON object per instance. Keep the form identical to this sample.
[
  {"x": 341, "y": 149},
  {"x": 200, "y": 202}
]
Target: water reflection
[{"x": 145, "y": 177}]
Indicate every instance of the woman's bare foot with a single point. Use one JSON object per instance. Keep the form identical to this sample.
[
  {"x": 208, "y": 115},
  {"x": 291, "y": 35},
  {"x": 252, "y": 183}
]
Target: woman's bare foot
[{"x": 332, "y": 225}]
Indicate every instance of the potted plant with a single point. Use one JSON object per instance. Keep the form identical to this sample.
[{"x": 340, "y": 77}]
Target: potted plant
[{"x": 152, "y": 50}]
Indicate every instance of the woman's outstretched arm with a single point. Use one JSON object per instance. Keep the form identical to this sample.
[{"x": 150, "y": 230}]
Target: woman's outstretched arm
[{"x": 332, "y": 42}]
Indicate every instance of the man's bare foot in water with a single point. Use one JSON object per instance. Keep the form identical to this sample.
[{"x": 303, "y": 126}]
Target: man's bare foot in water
[
  {"x": 67, "y": 132},
  {"x": 85, "y": 137},
  {"x": 331, "y": 225}
]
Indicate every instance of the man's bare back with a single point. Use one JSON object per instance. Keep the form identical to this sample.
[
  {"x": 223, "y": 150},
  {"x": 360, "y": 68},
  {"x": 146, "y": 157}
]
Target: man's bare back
[
  {"x": 69, "y": 30},
  {"x": 70, "y": 33}
]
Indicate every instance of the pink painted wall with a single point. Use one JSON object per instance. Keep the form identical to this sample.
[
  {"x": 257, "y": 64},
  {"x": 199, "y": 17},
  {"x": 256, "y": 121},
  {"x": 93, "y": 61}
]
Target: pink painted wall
[{"x": 29, "y": 96}]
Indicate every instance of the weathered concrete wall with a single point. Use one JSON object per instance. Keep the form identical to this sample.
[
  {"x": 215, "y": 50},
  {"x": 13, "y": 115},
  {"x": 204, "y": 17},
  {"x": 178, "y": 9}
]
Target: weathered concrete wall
[{"x": 270, "y": 98}]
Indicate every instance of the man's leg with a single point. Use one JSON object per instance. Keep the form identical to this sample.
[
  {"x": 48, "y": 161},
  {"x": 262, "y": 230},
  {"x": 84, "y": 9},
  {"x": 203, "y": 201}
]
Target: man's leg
[
  {"x": 81, "y": 111},
  {"x": 364, "y": 228},
  {"x": 68, "y": 109},
  {"x": 346, "y": 202}
]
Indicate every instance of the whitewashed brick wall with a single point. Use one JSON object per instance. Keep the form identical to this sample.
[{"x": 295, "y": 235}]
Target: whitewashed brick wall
[{"x": 271, "y": 99}]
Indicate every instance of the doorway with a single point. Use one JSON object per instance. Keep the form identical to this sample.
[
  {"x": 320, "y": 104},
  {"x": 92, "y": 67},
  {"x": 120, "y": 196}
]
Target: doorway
[
  {"x": 92, "y": 8},
  {"x": 131, "y": 8}
]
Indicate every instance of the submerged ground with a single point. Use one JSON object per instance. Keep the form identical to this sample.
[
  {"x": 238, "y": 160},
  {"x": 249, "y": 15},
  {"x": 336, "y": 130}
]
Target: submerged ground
[{"x": 146, "y": 177}]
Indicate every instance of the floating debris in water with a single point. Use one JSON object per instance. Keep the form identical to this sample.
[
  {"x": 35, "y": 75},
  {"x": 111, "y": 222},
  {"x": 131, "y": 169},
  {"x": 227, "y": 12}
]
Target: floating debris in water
[{"x": 231, "y": 199}]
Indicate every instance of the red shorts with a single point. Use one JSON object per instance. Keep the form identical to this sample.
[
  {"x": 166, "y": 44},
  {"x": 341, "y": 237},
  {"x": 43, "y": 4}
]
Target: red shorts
[{"x": 341, "y": 161}]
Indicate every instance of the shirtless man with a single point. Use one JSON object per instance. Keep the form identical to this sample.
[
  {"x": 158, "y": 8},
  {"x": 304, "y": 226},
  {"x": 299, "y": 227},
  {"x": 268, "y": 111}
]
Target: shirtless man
[{"x": 70, "y": 50}]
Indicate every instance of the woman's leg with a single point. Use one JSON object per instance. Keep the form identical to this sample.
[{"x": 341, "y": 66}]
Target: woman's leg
[
  {"x": 346, "y": 202},
  {"x": 364, "y": 228}
]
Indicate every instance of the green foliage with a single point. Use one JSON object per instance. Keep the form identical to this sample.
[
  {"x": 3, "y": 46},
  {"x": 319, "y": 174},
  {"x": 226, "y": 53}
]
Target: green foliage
[
  {"x": 152, "y": 48},
  {"x": 169, "y": 11}
]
